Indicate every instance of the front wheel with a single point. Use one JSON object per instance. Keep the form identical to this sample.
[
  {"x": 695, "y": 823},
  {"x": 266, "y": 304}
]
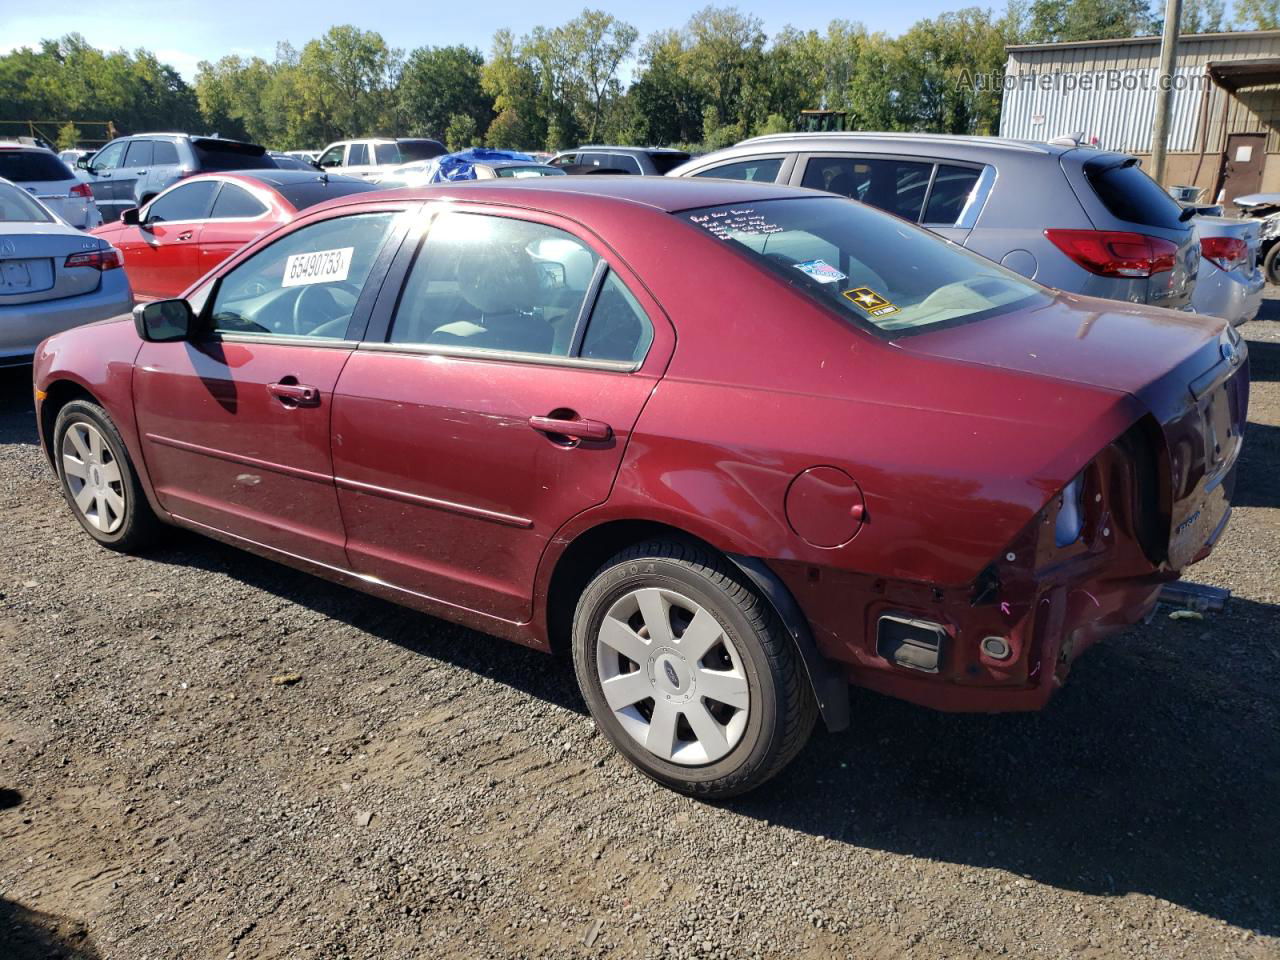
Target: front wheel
[
  {"x": 688, "y": 672},
  {"x": 98, "y": 478}
]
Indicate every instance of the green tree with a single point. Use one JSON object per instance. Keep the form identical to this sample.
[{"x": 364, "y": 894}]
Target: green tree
[
  {"x": 68, "y": 136},
  {"x": 1058, "y": 22},
  {"x": 438, "y": 84},
  {"x": 1204, "y": 16},
  {"x": 460, "y": 132},
  {"x": 346, "y": 81},
  {"x": 726, "y": 63},
  {"x": 1258, "y": 14},
  {"x": 665, "y": 105}
]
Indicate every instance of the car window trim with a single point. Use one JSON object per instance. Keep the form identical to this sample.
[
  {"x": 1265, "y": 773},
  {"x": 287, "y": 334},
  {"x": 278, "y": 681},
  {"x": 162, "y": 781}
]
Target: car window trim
[
  {"x": 975, "y": 201},
  {"x": 222, "y": 185},
  {"x": 174, "y": 189},
  {"x": 368, "y": 294},
  {"x": 287, "y": 340},
  {"x": 383, "y": 315},
  {"x": 784, "y": 174}
]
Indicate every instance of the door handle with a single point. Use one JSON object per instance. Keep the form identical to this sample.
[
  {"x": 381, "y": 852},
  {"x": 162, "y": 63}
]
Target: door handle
[
  {"x": 185, "y": 235},
  {"x": 574, "y": 428},
  {"x": 295, "y": 394}
]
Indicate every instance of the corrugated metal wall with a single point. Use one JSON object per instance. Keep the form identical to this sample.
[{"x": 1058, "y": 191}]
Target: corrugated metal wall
[{"x": 1045, "y": 93}]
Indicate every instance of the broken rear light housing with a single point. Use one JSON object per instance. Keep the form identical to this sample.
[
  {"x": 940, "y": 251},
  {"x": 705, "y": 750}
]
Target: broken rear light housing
[
  {"x": 1115, "y": 253},
  {"x": 1226, "y": 253}
]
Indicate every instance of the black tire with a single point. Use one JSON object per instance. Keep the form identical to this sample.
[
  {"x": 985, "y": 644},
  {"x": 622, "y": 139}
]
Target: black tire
[
  {"x": 139, "y": 527},
  {"x": 782, "y": 706},
  {"x": 1271, "y": 264}
]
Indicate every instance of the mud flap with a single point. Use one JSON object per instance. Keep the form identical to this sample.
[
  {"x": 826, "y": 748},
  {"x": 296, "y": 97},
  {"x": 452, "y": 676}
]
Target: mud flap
[{"x": 830, "y": 688}]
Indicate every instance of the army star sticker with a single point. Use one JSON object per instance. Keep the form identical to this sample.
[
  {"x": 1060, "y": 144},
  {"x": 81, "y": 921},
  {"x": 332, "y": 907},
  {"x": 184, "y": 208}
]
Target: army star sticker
[{"x": 870, "y": 301}]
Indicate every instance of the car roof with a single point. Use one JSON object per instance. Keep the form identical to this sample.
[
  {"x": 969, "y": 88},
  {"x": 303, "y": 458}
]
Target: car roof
[
  {"x": 825, "y": 141},
  {"x": 19, "y": 145},
  {"x": 605, "y": 146},
  {"x": 272, "y": 177},
  {"x": 568, "y": 194}
]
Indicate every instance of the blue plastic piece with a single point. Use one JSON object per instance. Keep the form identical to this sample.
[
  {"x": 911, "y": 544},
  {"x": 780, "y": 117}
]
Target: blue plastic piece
[{"x": 461, "y": 165}]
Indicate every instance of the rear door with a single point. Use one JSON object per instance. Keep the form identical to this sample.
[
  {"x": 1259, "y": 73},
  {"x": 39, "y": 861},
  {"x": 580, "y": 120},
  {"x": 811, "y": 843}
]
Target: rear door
[
  {"x": 162, "y": 253},
  {"x": 235, "y": 423},
  {"x": 238, "y": 217},
  {"x": 491, "y": 402}
]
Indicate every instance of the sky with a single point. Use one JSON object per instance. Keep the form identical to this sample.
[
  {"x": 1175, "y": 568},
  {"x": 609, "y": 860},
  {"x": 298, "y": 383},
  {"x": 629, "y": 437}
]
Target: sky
[{"x": 184, "y": 33}]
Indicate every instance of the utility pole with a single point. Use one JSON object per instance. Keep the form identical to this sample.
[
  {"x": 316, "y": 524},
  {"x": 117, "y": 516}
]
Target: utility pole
[{"x": 1164, "y": 92}]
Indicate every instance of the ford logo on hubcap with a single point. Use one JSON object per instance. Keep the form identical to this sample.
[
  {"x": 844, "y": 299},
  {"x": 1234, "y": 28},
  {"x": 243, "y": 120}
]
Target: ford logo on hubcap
[{"x": 671, "y": 673}]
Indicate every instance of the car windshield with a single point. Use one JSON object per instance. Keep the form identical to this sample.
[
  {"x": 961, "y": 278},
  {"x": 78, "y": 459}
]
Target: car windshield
[
  {"x": 230, "y": 155},
  {"x": 32, "y": 165},
  {"x": 16, "y": 206},
  {"x": 310, "y": 192},
  {"x": 883, "y": 273},
  {"x": 521, "y": 172}
]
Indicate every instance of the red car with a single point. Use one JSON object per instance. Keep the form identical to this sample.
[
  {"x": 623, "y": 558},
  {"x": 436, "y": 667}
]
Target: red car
[
  {"x": 736, "y": 446},
  {"x": 186, "y": 231}
]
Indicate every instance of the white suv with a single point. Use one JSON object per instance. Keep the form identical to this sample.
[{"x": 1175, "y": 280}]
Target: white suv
[
  {"x": 374, "y": 157},
  {"x": 39, "y": 172}
]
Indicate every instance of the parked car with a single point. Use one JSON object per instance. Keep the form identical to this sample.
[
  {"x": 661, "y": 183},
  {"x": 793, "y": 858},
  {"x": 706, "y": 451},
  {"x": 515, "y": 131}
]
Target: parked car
[
  {"x": 129, "y": 171},
  {"x": 189, "y": 229},
  {"x": 874, "y": 459},
  {"x": 287, "y": 161},
  {"x": 310, "y": 156},
  {"x": 73, "y": 156},
  {"x": 42, "y": 174},
  {"x": 1071, "y": 217},
  {"x": 646, "y": 161},
  {"x": 475, "y": 163},
  {"x": 1265, "y": 208},
  {"x": 52, "y": 276},
  {"x": 1230, "y": 282},
  {"x": 373, "y": 158}
]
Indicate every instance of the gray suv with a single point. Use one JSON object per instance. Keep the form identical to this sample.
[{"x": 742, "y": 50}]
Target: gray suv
[
  {"x": 129, "y": 171},
  {"x": 1071, "y": 217}
]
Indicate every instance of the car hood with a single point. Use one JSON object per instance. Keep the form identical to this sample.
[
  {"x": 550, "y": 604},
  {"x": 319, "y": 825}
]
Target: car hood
[{"x": 1085, "y": 340}]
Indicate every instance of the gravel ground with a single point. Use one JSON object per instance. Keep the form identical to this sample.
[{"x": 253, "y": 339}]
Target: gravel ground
[{"x": 423, "y": 790}]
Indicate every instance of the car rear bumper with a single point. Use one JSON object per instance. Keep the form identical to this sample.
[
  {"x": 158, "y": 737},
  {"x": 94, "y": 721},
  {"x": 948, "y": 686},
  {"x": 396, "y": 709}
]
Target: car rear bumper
[
  {"x": 23, "y": 326},
  {"x": 1232, "y": 295}
]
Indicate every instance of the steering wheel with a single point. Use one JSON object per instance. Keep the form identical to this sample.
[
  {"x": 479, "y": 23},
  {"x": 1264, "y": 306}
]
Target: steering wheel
[{"x": 323, "y": 304}]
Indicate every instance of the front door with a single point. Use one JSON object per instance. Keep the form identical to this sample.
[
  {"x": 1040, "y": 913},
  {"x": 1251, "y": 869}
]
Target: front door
[
  {"x": 102, "y": 172},
  {"x": 495, "y": 408},
  {"x": 235, "y": 424},
  {"x": 162, "y": 253},
  {"x": 1242, "y": 165}
]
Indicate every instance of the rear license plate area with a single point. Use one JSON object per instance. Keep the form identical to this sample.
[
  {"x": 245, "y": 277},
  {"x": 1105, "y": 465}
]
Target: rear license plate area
[{"x": 24, "y": 276}]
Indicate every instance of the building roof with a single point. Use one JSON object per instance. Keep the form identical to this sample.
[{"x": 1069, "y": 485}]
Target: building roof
[{"x": 1153, "y": 39}]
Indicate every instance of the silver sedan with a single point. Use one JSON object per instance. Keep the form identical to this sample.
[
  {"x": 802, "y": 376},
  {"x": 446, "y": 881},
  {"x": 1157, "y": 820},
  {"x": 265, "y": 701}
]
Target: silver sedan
[{"x": 52, "y": 276}]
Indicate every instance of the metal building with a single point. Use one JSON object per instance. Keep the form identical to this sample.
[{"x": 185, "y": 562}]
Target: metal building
[{"x": 1225, "y": 125}]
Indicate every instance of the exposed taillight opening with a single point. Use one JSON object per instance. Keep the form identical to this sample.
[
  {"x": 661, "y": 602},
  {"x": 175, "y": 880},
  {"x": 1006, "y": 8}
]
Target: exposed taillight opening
[
  {"x": 1226, "y": 253},
  {"x": 108, "y": 259},
  {"x": 81, "y": 190},
  {"x": 1115, "y": 253}
]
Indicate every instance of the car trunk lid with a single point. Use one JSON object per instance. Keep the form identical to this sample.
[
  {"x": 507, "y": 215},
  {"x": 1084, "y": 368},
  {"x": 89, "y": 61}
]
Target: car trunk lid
[{"x": 33, "y": 263}]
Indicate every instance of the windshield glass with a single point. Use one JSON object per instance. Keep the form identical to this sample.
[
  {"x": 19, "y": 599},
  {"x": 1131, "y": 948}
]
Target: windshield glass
[
  {"x": 16, "y": 206},
  {"x": 883, "y": 273}
]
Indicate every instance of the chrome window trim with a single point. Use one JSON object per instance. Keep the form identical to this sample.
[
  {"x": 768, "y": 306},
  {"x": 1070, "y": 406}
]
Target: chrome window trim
[
  {"x": 287, "y": 339},
  {"x": 977, "y": 198},
  {"x": 502, "y": 356}
]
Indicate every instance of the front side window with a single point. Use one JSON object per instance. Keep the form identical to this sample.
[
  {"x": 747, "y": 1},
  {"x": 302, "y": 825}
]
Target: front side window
[
  {"x": 760, "y": 169},
  {"x": 331, "y": 157},
  {"x": 306, "y": 284},
  {"x": 187, "y": 202},
  {"x": 109, "y": 157},
  {"x": 493, "y": 283},
  {"x": 236, "y": 203},
  {"x": 139, "y": 154},
  {"x": 885, "y": 275},
  {"x": 898, "y": 186}
]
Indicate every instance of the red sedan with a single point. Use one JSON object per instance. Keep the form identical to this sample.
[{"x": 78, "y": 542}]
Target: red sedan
[
  {"x": 735, "y": 446},
  {"x": 189, "y": 229}
]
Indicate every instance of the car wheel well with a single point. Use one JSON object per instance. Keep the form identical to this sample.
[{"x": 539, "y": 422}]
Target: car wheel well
[{"x": 58, "y": 395}]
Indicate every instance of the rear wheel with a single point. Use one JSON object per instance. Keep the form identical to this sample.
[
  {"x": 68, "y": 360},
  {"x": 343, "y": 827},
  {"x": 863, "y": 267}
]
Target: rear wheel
[
  {"x": 687, "y": 671},
  {"x": 1271, "y": 264},
  {"x": 98, "y": 478}
]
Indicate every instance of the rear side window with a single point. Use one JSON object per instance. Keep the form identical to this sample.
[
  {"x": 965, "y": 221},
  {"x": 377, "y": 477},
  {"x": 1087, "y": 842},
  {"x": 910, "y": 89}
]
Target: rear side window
[
  {"x": 897, "y": 186},
  {"x": 138, "y": 154},
  {"x": 618, "y": 328},
  {"x": 386, "y": 153},
  {"x": 763, "y": 170},
  {"x": 411, "y": 150},
  {"x": 358, "y": 154},
  {"x": 236, "y": 202},
  {"x": 230, "y": 155},
  {"x": 306, "y": 283},
  {"x": 952, "y": 187},
  {"x": 624, "y": 161},
  {"x": 164, "y": 153},
  {"x": 664, "y": 162},
  {"x": 24, "y": 165},
  {"x": 482, "y": 282},
  {"x": 187, "y": 202},
  {"x": 1130, "y": 195}
]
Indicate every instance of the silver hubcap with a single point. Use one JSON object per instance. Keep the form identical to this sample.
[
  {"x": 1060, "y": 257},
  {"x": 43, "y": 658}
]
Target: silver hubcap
[
  {"x": 93, "y": 477},
  {"x": 672, "y": 677}
]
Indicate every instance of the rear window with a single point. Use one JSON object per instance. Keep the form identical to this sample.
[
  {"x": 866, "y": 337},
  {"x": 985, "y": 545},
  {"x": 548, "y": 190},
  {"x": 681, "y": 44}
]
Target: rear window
[
  {"x": 308, "y": 194},
  {"x": 17, "y": 207},
  {"x": 1130, "y": 195},
  {"x": 230, "y": 155},
  {"x": 885, "y": 275},
  {"x": 24, "y": 165},
  {"x": 664, "y": 161},
  {"x": 411, "y": 150}
]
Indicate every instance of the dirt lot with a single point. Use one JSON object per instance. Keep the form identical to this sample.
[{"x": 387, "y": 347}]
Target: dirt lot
[{"x": 427, "y": 791}]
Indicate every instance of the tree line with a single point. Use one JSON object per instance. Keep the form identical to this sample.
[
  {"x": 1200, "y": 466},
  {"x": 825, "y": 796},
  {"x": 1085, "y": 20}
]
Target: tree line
[{"x": 713, "y": 81}]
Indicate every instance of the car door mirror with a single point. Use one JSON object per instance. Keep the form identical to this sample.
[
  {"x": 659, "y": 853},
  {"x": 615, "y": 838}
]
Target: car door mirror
[
  {"x": 83, "y": 163},
  {"x": 131, "y": 217},
  {"x": 164, "y": 321}
]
